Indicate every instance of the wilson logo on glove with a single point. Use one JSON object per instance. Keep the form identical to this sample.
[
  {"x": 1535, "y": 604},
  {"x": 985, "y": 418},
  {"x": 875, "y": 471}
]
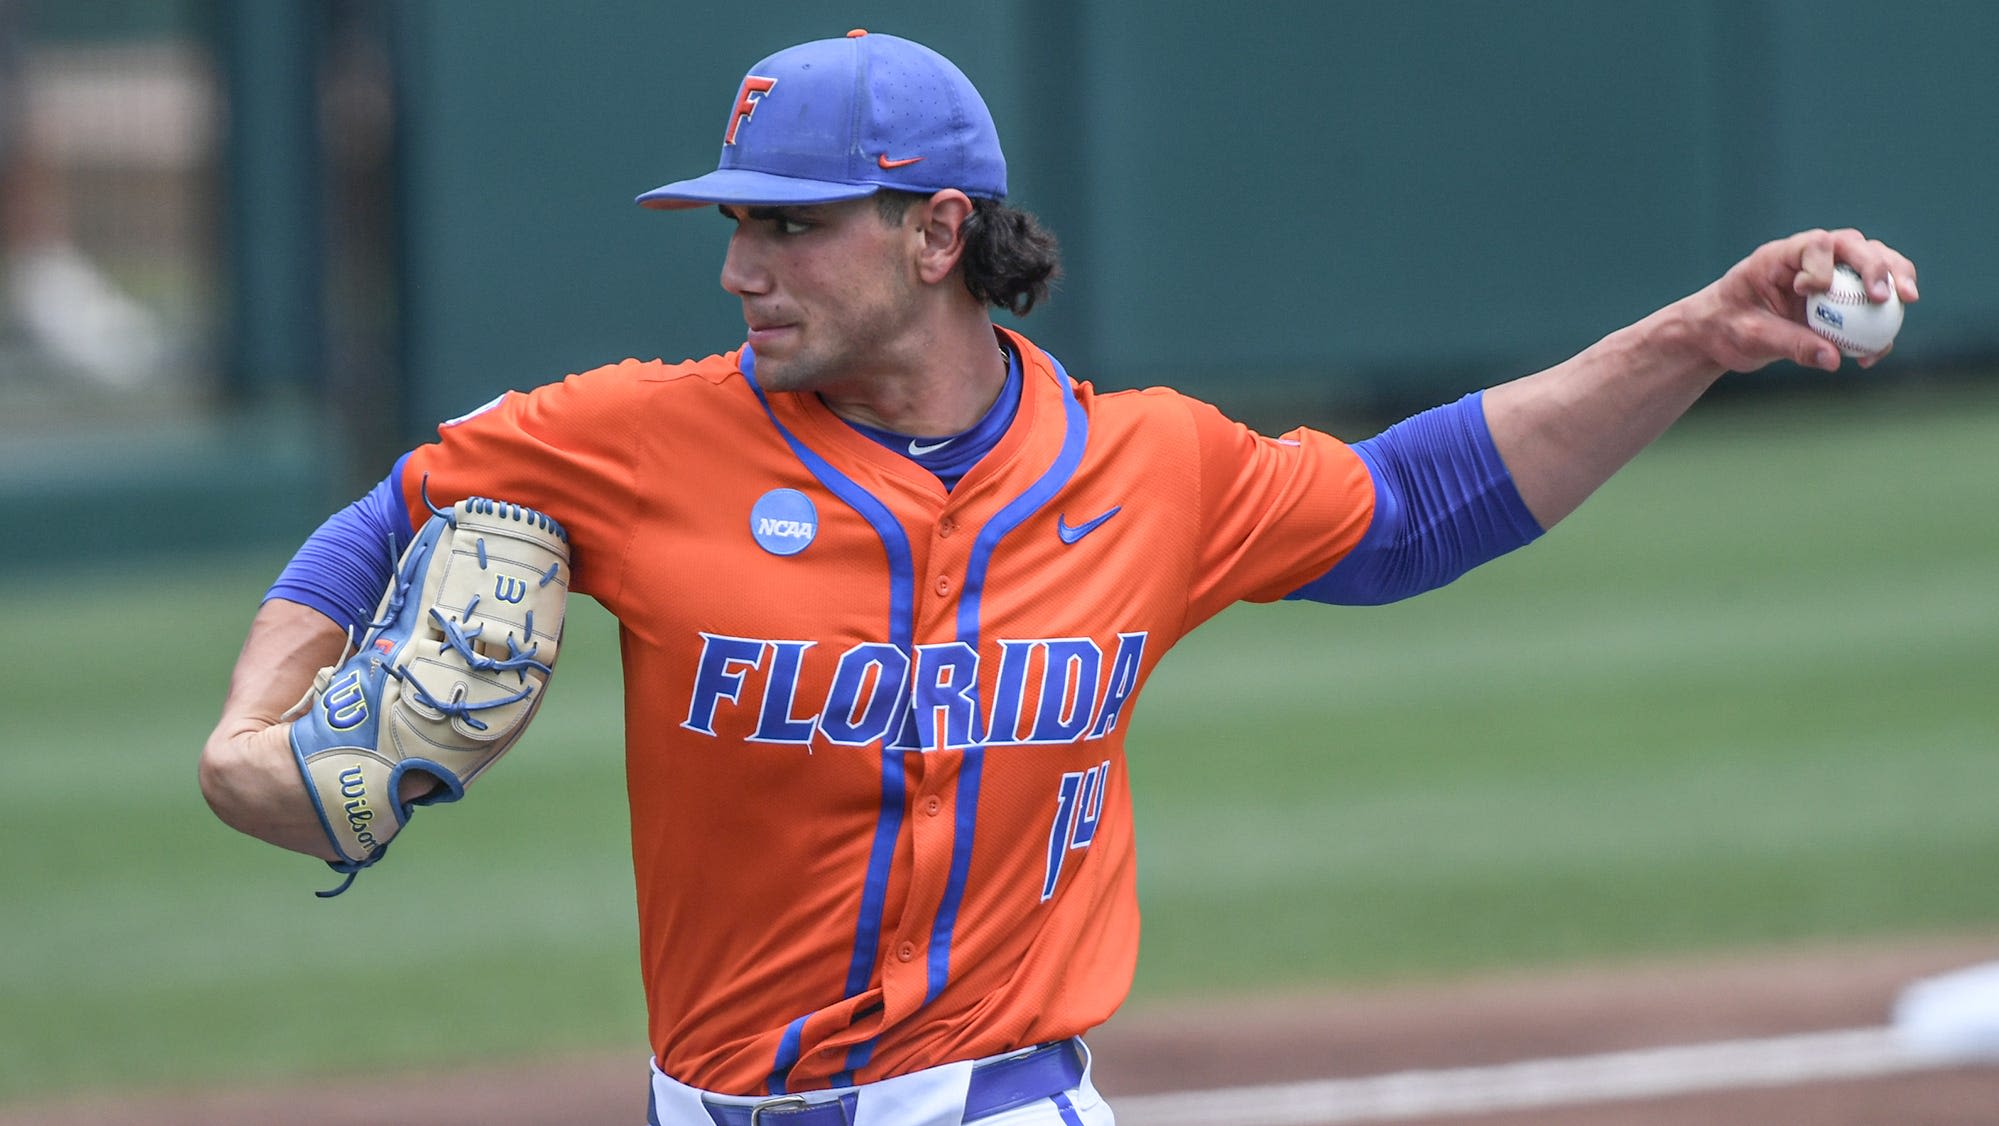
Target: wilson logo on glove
[
  {"x": 345, "y": 703},
  {"x": 354, "y": 787}
]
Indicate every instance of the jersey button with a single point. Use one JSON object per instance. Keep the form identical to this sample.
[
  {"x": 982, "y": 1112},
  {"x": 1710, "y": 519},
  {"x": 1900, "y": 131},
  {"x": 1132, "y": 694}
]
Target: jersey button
[
  {"x": 906, "y": 952},
  {"x": 946, "y": 526},
  {"x": 943, "y": 584},
  {"x": 932, "y": 806}
]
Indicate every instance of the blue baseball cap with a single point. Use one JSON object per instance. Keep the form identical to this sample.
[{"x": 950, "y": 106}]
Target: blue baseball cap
[{"x": 844, "y": 118}]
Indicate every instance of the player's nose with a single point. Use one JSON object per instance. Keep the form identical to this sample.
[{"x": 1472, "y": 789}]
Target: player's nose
[{"x": 742, "y": 272}]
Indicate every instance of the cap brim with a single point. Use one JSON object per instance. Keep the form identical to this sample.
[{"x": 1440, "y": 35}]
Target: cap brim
[{"x": 745, "y": 188}]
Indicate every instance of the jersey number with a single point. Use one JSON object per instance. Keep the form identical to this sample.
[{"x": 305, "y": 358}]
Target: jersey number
[{"x": 1079, "y": 805}]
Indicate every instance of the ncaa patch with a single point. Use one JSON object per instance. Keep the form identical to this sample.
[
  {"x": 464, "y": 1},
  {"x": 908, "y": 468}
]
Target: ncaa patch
[{"x": 784, "y": 521}]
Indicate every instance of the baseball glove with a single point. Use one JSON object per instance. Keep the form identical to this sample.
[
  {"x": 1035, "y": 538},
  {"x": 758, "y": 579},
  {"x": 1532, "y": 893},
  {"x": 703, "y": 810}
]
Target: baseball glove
[{"x": 443, "y": 681}]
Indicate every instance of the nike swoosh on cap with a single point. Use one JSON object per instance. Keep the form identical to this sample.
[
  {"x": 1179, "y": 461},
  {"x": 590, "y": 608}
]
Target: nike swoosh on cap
[
  {"x": 1072, "y": 534},
  {"x": 890, "y": 165},
  {"x": 918, "y": 449}
]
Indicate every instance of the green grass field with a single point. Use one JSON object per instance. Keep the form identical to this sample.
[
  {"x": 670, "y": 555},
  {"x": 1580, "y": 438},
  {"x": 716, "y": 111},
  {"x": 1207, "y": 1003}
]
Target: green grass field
[{"x": 1748, "y": 695}]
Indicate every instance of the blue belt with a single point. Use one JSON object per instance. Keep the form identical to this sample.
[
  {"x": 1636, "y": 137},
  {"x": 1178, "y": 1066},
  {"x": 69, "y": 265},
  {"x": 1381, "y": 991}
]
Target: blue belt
[{"x": 995, "y": 1086}]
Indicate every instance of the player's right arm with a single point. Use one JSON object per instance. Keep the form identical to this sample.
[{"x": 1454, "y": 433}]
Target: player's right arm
[{"x": 1565, "y": 430}]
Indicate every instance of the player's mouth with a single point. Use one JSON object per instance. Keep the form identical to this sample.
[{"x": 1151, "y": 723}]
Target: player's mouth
[{"x": 763, "y": 336}]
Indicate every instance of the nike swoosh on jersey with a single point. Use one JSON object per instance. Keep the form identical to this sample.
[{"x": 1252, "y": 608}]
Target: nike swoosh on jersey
[
  {"x": 1072, "y": 534},
  {"x": 883, "y": 160},
  {"x": 918, "y": 449}
]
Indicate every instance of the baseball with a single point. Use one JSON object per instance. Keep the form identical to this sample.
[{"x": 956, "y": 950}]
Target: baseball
[{"x": 1845, "y": 316}]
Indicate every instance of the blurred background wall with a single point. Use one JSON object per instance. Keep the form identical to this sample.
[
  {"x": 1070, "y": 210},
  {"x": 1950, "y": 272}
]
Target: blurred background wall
[{"x": 255, "y": 248}]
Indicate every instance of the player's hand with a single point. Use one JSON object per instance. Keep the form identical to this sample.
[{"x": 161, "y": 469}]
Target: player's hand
[{"x": 1754, "y": 314}]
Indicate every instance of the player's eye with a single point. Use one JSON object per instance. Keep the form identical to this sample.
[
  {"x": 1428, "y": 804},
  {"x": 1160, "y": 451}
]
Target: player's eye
[{"x": 781, "y": 222}]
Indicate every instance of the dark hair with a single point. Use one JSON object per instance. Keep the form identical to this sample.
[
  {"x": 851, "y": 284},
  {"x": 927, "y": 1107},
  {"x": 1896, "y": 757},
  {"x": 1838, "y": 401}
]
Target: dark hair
[{"x": 1010, "y": 258}]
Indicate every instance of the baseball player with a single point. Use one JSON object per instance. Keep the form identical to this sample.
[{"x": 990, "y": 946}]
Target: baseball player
[{"x": 890, "y": 582}]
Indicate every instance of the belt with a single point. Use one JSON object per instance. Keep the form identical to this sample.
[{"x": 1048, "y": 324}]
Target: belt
[{"x": 995, "y": 1086}]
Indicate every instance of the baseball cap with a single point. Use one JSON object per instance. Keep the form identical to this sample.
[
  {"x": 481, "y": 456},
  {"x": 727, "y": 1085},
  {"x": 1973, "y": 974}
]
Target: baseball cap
[{"x": 843, "y": 118}]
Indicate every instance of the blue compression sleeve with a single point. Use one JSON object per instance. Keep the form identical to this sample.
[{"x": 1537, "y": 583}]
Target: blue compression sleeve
[
  {"x": 1443, "y": 504},
  {"x": 342, "y": 569}
]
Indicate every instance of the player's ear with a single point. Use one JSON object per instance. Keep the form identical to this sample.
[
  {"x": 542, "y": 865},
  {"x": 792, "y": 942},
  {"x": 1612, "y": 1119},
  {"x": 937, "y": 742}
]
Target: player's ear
[{"x": 940, "y": 223}]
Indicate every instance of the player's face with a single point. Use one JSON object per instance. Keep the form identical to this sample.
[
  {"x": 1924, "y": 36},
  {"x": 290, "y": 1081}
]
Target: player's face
[{"x": 828, "y": 291}]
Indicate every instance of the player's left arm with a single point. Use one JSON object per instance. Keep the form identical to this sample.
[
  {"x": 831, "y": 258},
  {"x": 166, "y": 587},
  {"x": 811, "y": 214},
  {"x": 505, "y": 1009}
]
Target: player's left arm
[
  {"x": 1562, "y": 432},
  {"x": 322, "y": 600},
  {"x": 248, "y": 772}
]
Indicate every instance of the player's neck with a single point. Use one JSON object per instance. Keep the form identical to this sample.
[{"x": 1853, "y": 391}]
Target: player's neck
[{"x": 946, "y": 385}]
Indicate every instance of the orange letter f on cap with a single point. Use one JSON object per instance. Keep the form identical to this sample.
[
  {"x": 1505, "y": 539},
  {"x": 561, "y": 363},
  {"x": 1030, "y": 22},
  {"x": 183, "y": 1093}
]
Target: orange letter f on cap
[{"x": 754, "y": 88}]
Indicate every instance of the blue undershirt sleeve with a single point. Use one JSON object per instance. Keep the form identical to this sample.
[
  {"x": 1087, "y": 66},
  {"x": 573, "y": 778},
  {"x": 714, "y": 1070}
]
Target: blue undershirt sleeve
[
  {"x": 1444, "y": 503},
  {"x": 342, "y": 569}
]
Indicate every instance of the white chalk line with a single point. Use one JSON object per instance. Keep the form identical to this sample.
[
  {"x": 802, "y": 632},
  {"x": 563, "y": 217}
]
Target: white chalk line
[{"x": 1650, "y": 1073}]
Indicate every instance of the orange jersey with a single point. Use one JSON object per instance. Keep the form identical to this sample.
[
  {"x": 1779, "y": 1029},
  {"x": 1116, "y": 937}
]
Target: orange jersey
[{"x": 875, "y": 729}]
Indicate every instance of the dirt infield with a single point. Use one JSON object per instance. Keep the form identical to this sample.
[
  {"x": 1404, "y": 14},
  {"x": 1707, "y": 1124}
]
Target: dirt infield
[{"x": 1178, "y": 1047}]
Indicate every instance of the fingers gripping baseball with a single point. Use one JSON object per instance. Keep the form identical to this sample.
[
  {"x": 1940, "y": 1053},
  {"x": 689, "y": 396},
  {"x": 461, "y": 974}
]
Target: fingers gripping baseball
[
  {"x": 444, "y": 681},
  {"x": 1755, "y": 314},
  {"x": 1883, "y": 270}
]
